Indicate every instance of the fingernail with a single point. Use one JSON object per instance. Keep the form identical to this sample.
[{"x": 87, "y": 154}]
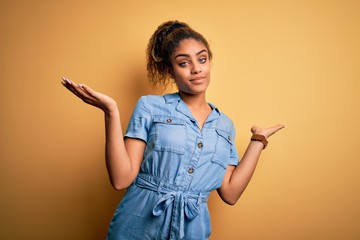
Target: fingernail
[{"x": 66, "y": 80}]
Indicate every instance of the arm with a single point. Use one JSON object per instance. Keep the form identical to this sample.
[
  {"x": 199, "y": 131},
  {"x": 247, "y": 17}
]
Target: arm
[
  {"x": 123, "y": 158},
  {"x": 237, "y": 178}
]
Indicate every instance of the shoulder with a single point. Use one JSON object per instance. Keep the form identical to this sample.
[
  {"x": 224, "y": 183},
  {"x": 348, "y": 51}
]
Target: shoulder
[
  {"x": 225, "y": 117},
  {"x": 225, "y": 122},
  {"x": 222, "y": 116},
  {"x": 160, "y": 99},
  {"x": 151, "y": 100},
  {"x": 156, "y": 104}
]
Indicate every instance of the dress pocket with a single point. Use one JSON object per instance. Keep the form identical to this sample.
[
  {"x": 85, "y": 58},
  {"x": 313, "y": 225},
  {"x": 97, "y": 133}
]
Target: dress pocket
[
  {"x": 170, "y": 134},
  {"x": 222, "y": 148}
]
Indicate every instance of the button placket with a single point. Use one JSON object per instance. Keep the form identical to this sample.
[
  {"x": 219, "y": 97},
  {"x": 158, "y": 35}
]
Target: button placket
[{"x": 191, "y": 166}]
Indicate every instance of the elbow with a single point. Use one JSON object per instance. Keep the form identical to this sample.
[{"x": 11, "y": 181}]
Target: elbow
[
  {"x": 121, "y": 182},
  {"x": 230, "y": 202},
  {"x": 229, "y": 197},
  {"x": 118, "y": 186}
]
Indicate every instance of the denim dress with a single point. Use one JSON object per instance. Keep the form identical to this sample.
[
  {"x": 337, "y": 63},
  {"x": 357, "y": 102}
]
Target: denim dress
[{"x": 182, "y": 164}]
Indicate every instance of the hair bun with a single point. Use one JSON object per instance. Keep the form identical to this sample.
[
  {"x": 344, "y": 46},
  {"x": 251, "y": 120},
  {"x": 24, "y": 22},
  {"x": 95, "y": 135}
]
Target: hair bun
[
  {"x": 174, "y": 26},
  {"x": 163, "y": 31}
]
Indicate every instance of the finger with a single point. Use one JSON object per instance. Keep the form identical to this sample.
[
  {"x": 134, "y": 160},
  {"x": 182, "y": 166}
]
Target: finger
[
  {"x": 65, "y": 80},
  {"x": 84, "y": 95},
  {"x": 88, "y": 90},
  {"x": 88, "y": 95},
  {"x": 69, "y": 86},
  {"x": 67, "y": 83},
  {"x": 78, "y": 90},
  {"x": 267, "y": 132},
  {"x": 274, "y": 129},
  {"x": 277, "y": 127},
  {"x": 254, "y": 129},
  {"x": 73, "y": 88}
]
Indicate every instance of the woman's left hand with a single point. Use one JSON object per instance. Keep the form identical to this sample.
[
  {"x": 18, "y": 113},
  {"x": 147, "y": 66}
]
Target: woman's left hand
[{"x": 267, "y": 132}]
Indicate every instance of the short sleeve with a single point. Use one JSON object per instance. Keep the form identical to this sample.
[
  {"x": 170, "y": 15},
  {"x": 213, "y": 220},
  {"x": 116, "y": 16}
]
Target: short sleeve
[{"x": 138, "y": 126}]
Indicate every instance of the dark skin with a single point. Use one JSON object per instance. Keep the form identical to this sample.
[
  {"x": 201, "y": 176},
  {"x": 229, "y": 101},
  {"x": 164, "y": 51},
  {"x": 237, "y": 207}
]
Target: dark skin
[{"x": 191, "y": 71}]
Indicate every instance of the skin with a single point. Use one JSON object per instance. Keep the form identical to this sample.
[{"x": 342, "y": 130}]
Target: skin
[{"x": 191, "y": 71}]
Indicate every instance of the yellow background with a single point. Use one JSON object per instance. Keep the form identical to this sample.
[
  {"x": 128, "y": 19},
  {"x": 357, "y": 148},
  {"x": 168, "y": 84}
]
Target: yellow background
[{"x": 291, "y": 62}]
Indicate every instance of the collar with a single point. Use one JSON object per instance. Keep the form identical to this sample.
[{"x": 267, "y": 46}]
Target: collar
[
  {"x": 172, "y": 97},
  {"x": 175, "y": 97}
]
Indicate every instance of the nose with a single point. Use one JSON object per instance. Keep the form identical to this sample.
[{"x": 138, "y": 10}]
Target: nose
[{"x": 196, "y": 68}]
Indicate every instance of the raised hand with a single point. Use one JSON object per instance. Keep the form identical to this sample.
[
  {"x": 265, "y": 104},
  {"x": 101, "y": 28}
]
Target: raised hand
[
  {"x": 267, "y": 132},
  {"x": 89, "y": 96}
]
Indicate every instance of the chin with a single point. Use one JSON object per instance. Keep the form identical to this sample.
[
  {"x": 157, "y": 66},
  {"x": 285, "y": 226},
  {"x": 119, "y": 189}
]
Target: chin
[{"x": 195, "y": 91}]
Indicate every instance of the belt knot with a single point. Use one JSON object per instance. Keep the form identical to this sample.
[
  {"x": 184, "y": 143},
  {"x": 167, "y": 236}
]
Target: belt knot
[{"x": 187, "y": 203}]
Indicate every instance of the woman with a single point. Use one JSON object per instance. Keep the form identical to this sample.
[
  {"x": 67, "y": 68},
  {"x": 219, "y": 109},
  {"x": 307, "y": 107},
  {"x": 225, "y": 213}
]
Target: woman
[{"x": 177, "y": 147}]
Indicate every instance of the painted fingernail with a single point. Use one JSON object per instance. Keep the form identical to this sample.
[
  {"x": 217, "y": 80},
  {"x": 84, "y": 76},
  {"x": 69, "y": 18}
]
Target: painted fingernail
[{"x": 67, "y": 80}]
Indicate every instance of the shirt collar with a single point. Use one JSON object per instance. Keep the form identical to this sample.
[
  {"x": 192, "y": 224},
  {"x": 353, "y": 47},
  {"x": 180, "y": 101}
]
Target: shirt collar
[
  {"x": 172, "y": 97},
  {"x": 175, "y": 97}
]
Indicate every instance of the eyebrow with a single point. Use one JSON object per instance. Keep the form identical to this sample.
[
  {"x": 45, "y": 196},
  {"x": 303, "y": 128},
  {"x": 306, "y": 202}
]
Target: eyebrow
[{"x": 187, "y": 55}]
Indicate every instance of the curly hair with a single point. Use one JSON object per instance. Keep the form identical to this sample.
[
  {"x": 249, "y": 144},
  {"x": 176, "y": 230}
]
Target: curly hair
[{"x": 162, "y": 44}]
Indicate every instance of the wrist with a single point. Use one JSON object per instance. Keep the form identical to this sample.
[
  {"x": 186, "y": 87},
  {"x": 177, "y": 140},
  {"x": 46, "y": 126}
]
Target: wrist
[
  {"x": 110, "y": 108},
  {"x": 259, "y": 138}
]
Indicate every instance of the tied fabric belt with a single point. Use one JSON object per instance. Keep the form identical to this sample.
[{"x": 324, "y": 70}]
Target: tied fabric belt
[{"x": 185, "y": 204}]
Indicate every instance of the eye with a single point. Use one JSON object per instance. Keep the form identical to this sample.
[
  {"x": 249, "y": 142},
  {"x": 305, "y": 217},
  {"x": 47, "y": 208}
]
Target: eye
[
  {"x": 202, "y": 60},
  {"x": 183, "y": 64}
]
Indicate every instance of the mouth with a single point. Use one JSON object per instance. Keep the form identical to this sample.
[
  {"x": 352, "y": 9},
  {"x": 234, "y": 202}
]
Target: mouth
[{"x": 197, "y": 79}]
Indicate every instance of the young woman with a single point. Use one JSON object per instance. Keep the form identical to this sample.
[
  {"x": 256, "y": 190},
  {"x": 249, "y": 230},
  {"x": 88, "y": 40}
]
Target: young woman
[{"x": 177, "y": 147}]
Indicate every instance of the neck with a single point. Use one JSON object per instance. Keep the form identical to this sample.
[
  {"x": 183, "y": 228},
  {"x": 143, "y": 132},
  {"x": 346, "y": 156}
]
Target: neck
[
  {"x": 194, "y": 100},
  {"x": 198, "y": 106}
]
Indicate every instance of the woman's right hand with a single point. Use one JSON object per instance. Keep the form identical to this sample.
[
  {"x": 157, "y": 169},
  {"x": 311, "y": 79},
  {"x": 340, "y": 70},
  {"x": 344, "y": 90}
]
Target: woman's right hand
[{"x": 89, "y": 96}]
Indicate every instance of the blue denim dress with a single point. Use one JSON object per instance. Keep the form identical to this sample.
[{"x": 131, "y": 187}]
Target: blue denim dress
[{"x": 182, "y": 164}]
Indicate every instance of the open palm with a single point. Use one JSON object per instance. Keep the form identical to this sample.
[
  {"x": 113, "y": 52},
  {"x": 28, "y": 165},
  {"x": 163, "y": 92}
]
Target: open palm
[{"x": 90, "y": 96}]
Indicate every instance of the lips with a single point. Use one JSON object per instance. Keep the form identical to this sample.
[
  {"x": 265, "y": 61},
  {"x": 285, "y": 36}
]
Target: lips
[{"x": 197, "y": 79}]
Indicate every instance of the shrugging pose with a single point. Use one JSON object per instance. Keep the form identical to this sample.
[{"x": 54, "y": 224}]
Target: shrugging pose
[{"x": 177, "y": 148}]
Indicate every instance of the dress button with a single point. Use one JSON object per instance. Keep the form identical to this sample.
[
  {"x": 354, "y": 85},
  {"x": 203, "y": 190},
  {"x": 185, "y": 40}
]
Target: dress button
[
  {"x": 168, "y": 120},
  {"x": 200, "y": 145},
  {"x": 229, "y": 138},
  {"x": 190, "y": 170}
]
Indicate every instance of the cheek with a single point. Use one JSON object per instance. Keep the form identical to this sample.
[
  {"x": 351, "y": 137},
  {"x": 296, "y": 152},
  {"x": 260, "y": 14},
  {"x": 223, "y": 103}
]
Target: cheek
[
  {"x": 207, "y": 67},
  {"x": 180, "y": 73}
]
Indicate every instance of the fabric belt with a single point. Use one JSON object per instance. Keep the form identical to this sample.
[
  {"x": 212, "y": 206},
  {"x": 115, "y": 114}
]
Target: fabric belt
[{"x": 186, "y": 203}]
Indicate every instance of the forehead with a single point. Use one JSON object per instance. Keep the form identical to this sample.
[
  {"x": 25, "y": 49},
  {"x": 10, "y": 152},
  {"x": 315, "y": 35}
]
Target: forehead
[{"x": 189, "y": 47}]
